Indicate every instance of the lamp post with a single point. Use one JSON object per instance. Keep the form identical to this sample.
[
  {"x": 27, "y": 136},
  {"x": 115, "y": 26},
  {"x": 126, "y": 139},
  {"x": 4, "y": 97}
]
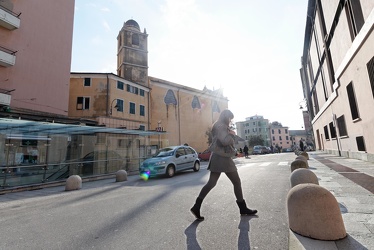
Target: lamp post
[
  {"x": 111, "y": 104},
  {"x": 159, "y": 136}
]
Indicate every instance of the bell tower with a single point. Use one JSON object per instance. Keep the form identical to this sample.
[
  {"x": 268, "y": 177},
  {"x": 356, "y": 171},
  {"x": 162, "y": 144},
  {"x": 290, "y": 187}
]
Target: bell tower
[{"x": 132, "y": 53}]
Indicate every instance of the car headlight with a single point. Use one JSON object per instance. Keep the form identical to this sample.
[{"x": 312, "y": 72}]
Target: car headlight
[{"x": 160, "y": 163}]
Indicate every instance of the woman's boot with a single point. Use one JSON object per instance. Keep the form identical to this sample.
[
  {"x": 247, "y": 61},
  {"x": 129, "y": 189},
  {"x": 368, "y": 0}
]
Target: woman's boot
[
  {"x": 195, "y": 210},
  {"x": 244, "y": 210}
]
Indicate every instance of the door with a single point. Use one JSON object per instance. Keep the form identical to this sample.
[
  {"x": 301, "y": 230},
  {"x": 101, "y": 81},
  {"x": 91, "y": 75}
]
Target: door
[{"x": 181, "y": 159}]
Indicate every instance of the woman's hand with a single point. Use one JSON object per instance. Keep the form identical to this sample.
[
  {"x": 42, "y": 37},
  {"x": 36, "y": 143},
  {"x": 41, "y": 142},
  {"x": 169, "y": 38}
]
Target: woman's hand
[{"x": 232, "y": 132}]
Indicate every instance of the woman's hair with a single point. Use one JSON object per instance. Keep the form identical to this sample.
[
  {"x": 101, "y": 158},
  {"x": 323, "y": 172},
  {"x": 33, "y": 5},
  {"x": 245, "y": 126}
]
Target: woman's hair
[{"x": 225, "y": 116}]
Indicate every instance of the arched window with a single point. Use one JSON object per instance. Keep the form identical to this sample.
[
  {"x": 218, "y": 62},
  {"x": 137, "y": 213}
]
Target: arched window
[
  {"x": 215, "y": 107},
  {"x": 170, "y": 98},
  {"x": 135, "y": 39},
  {"x": 196, "y": 103}
]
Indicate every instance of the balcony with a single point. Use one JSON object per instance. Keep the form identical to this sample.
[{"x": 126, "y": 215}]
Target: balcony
[
  {"x": 7, "y": 57},
  {"x": 9, "y": 19},
  {"x": 5, "y": 97}
]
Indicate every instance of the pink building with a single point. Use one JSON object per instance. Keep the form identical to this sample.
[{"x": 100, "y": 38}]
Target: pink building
[
  {"x": 279, "y": 136},
  {"x": 35, "y": 56}
]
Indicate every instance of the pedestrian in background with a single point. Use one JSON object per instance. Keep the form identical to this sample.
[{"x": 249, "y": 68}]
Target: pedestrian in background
[
  {"x": 301, "y": 145},
  {"x": 246, "y": 149},
  {"x": 219, "y": 162}
]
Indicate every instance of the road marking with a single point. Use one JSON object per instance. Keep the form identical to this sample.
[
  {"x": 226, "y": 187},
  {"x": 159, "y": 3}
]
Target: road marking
[
  {"x": 248, "y": 164},
  {"x": 283, "y": 163},
  {"x": 265, "y": 164}
]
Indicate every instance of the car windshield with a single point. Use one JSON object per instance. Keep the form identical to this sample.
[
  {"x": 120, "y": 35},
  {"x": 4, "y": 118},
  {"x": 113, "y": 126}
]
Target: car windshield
[{"x": 164, "y": 152}]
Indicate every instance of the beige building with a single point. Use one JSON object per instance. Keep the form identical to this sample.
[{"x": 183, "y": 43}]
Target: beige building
[
  {"x": 184, "y": 113},
  {"x": 132, "y": 100},
  {"x": 338, "y": 76},
  {"x": 35, "y": 56},
  {"x": 109, "y": 99}
]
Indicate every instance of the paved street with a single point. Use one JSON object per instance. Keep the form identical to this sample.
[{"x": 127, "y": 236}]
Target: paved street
[{"x": 154, "y": 214}]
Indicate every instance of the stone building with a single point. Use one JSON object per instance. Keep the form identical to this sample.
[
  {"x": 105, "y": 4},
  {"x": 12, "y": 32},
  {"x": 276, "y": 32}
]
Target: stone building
[
  {"x": 133, "y": 100},
  {"x": 132, "y": 53},
  {"x": 338, "y": 76},
  {"x": 184, "y": 113}
]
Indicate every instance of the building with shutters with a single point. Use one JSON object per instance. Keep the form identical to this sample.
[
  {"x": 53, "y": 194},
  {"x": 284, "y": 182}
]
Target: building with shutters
[{"x": 337, "y": 75}]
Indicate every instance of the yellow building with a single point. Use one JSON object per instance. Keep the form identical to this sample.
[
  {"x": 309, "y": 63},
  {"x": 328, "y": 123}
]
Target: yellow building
[
  {"x": 183, "y": 112},
  {"x": 109, "y": 99}
]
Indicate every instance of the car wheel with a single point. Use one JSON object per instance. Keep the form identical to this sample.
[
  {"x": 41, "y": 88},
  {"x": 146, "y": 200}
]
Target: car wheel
[
  {"x": 170, "y": 171},
  {"x": 196, "y": 166}
]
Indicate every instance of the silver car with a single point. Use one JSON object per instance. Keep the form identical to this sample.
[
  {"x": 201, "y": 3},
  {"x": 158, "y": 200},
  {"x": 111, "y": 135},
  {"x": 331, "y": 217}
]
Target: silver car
[{"x": 167, "y": 161}]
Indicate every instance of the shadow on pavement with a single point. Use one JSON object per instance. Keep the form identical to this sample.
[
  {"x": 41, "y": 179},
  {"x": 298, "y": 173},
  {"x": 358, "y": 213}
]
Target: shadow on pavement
[
  {"x": 244, "y": 228},
  {"x": 190, "y": 232}
]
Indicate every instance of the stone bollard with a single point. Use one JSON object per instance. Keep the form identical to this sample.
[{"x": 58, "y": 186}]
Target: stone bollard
[
  {"x": 303, "y": 175},
  {"x": 305, "y": 154},
  {"x": 314, "y": 212},
  {"x": 302, "y": 158},
  {"x": 298, "y": 164},
  {"x": 121, "y": 175},
  {"x": 74, "y": 182}
]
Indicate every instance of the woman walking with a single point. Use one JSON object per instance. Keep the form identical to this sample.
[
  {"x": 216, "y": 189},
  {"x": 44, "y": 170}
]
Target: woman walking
[{"x": 222, "y": 149}]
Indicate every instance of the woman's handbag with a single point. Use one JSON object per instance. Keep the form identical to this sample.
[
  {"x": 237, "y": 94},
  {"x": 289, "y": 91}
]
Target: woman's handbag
[{"x": 219, "y": 149}]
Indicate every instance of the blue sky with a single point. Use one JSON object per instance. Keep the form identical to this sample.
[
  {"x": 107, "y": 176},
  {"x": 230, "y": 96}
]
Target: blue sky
[{"x": 250, "y": 48}]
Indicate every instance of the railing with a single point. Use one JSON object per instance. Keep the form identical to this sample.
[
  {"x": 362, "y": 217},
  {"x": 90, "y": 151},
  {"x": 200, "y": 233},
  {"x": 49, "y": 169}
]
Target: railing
[
  {"x": 19, "y": 175},
  {"x": 9, "y": 51},
  {"x": 10, "y": 12}
]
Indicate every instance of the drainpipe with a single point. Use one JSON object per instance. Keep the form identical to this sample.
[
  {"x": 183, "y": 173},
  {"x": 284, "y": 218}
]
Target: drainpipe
[
  {"x": 107, "y": 95},
  {"x": 179, "y": 119},
  {"x": 148, "y": 106}
]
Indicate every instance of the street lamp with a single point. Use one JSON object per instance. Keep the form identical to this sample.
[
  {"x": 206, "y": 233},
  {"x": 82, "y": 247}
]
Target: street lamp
[
  {"x": 111, "y": 104},
  {"x": 159, "y": 136},
  {"x": 303, "y": 104}
]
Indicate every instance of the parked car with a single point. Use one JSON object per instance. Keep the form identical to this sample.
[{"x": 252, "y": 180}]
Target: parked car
[
  {"x": 205, "y": 156},
  {"x": 260, "y": 150},
  {"x": 287, "y": 150},
  {"x": 167, "y": 161}
]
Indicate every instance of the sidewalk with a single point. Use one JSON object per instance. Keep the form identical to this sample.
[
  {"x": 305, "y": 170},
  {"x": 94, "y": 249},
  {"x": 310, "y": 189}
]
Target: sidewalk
[{"x": 351, "y": 181}]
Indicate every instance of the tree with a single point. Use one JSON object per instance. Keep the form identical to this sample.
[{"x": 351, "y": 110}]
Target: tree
[
  {"x": 208, "y": 134},
  {"x": 276, "y": 124},
  {"x": 255, "y": 140}
]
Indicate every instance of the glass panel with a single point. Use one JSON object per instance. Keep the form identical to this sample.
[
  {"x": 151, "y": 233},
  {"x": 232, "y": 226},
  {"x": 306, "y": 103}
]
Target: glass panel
[{"x": 39, "y": 152}]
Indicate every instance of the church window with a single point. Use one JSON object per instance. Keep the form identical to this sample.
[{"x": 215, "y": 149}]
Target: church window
[
  {"x": 196, "y": 103},
  {"x": 135, "y": 39},
  {"x": 170, "y": 98}
]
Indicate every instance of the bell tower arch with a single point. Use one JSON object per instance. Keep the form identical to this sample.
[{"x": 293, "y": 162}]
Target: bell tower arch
[{"x": 132, "y": 53}]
